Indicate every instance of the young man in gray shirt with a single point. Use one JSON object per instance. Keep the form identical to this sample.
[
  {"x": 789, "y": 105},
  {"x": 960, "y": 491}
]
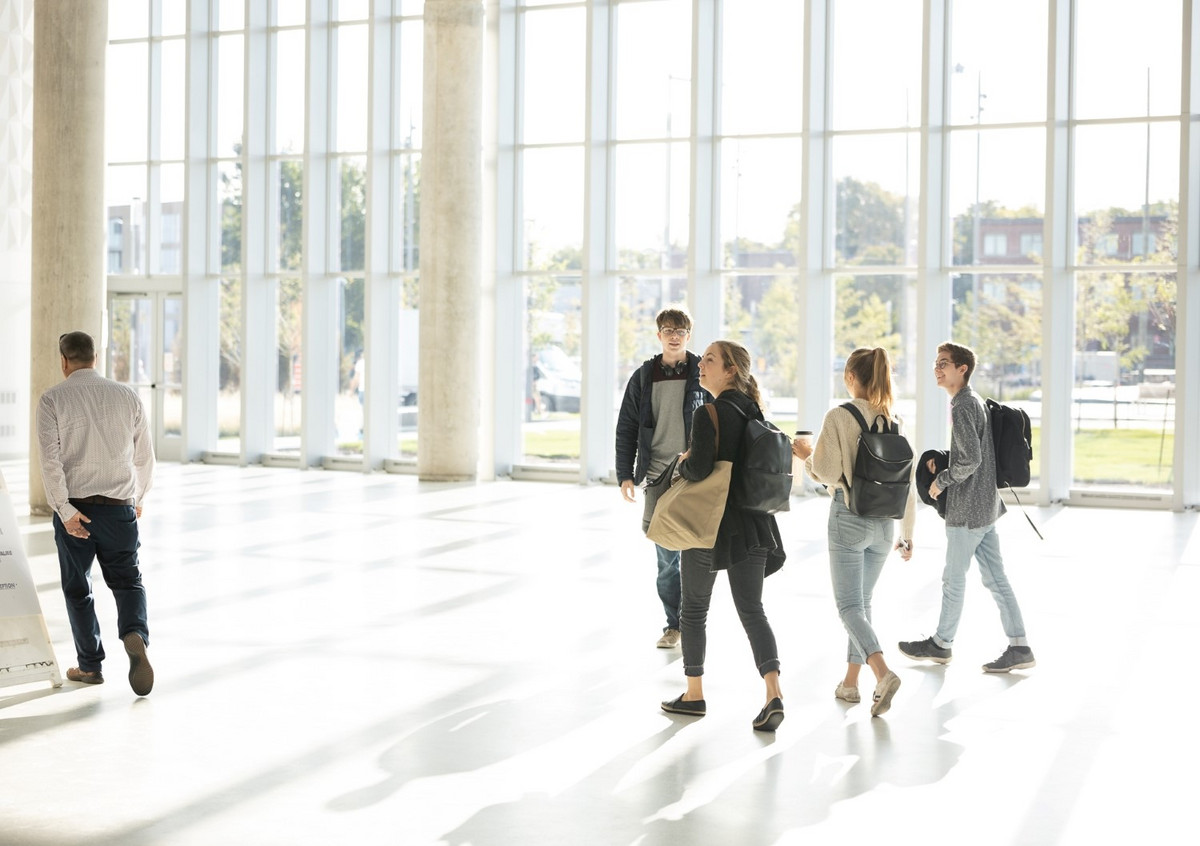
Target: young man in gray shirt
[
  {"x": 972, "y": 508},
  {"x": 654, "y": 426}
]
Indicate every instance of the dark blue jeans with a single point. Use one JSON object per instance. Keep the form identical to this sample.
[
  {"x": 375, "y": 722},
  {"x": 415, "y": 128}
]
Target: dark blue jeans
[
  {"x": 668, "y": 585},
  {"x": 114, "y": 543}
]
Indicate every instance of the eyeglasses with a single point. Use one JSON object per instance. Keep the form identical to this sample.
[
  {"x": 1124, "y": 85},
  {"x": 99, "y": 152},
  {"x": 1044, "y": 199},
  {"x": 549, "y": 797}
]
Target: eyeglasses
[
  {"x": 942, "y": 364},
  {"x": 667, "y": 332}
]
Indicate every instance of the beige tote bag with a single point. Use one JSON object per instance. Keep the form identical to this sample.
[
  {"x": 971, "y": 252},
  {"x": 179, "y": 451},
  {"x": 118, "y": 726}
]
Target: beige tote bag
[{"x": 688, "y": 515}]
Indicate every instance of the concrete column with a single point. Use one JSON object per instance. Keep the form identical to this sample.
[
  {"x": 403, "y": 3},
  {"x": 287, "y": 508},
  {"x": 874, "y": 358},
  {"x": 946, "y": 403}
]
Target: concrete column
[
  {"x": 451, "y": 233},
  {"x": 68, "y": 238}
]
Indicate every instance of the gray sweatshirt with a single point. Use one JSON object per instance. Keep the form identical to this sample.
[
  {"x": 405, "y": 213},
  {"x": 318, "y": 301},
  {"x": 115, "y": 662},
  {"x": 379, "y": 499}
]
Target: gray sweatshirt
[{"x": 970, "y": 480}]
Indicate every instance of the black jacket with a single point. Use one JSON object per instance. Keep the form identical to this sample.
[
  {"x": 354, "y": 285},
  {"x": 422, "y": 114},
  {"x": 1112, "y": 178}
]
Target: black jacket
[
  {"x": 941, "y": 460},
  {"x": 635, "y": 422},
  {"x": 744, "y": 536}
]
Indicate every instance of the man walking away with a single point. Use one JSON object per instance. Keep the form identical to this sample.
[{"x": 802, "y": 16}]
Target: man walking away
[
  {"x": 97, "y": 465},
  {"x": 973, "y": 507}
]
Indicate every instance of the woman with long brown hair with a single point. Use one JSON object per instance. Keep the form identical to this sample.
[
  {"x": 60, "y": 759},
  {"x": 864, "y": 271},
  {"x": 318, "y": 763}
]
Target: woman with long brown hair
[{"x": 748, "y": 545}]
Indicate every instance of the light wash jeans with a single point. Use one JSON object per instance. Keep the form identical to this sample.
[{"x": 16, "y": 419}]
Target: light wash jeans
[
  {"x": 858, "y": 548},
  {"x": 984, "y": 544}
]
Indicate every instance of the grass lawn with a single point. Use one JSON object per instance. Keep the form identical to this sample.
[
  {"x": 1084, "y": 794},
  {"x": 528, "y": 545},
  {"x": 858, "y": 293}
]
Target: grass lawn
[{"x": 1102, "y": 456}]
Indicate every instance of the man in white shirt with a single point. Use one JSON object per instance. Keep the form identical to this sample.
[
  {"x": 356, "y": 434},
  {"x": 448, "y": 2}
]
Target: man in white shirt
[{"x": 97, "y": 465}]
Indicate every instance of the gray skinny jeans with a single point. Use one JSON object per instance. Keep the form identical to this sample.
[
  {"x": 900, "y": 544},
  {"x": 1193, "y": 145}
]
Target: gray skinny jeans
[{"x": 746, "y": 585}]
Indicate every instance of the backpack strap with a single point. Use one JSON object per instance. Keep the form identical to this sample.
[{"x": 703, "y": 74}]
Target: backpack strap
[
  {"x": 889, "y": 427},
  {"x": 853, "y": 409}
]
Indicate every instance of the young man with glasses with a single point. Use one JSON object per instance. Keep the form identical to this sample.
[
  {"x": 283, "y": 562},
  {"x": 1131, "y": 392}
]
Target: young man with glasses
[
  {"x": 654, "y": 426},
  {"x": 973, "y": 506}
]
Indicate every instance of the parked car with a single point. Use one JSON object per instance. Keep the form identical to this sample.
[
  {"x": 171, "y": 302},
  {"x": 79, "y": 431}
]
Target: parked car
[{"x": 561, "y": 378}]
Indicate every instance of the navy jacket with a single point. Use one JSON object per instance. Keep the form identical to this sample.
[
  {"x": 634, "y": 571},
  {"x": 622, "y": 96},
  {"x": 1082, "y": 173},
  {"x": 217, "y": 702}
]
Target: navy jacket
[{"x": 635, "y": 422}]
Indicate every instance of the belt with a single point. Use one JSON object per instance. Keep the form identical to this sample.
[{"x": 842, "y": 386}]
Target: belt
[{"x": 98, "y": 500}]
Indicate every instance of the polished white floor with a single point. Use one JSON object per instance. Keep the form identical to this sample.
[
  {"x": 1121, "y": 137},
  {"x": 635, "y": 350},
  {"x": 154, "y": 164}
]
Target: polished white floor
[{"x": 350, "y": 659}]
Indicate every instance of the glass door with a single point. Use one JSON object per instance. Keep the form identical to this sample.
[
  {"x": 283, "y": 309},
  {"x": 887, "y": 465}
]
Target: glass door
[{"x": 144, "y": 342}]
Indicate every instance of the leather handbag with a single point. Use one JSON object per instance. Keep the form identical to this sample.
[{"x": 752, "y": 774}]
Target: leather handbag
[{"x": 688, "y": 515}]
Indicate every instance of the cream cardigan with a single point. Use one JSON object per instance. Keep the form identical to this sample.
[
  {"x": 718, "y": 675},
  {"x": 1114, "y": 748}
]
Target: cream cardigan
[{"x": 832, "y": 460}]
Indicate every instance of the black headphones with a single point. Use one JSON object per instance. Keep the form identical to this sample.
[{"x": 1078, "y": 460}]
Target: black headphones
[{"x": 673, "y": 369}]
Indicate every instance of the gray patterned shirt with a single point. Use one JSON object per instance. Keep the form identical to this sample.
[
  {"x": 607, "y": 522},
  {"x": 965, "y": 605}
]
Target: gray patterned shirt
[{"x": 970, "y": 480}]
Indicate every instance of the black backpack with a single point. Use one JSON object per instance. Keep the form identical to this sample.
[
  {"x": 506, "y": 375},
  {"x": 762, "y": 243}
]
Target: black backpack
[
  {"x": 883, "y": 467},
  {"x": 763, "y": 478},
  {"x": 1012, "y": 440}
]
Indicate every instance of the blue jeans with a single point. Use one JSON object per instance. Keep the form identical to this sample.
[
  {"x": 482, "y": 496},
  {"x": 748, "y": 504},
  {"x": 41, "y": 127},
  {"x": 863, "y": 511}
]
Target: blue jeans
[
  {"x": 858, "y": 548},
  {"x": 114, "y": 543},
  {"x": 668, "y": 584},
  {"x": 746, "y": 585},
  {"x": 984, "y": 544}
]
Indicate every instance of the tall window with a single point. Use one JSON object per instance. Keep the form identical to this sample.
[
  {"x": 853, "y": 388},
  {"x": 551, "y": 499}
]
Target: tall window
[
  {"x": 550, "y": 227},
  {"x": 1127, "y": 205}
]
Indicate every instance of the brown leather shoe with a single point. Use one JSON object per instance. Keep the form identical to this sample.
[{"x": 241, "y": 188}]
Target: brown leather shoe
[
  {"x": 141, "y": 674},
  {"x": 77, "y": 675}
]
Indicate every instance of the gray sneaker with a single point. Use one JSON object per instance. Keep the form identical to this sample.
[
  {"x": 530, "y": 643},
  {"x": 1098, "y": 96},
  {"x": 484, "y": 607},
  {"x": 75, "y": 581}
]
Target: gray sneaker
[
  {"x": 925, "y": 650},
  {"x": 669, "y": 639},
  {"x": 1014, "y": 658}
]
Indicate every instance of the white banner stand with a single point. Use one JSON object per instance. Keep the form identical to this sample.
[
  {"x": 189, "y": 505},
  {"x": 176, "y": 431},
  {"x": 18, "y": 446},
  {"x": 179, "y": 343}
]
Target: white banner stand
[{"x": 26, "y": 653}]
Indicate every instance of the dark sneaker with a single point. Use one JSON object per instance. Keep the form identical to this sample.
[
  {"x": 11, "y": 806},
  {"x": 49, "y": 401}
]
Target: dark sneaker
[
  {"x": 77, "y": 675},
  {"x": 694, "y": 708},
  {"x": 925, "y": 650},
  {"x": 1014, "y": 658},
  {"x": 141, "y": 674},
  {"x": 770, "y": 717}
]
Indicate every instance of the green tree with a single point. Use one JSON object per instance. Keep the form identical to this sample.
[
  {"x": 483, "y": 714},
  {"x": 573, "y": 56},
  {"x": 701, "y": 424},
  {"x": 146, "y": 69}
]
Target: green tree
[{"x": 1005, "y": 331}]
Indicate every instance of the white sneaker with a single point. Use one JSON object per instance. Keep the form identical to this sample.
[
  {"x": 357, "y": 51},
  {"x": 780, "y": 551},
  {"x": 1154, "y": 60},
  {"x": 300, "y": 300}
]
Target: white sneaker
[
  {"x": 669, "y": 639},
  {"x": 884, "y": 691},
  {"x": 847, "y": 694}
]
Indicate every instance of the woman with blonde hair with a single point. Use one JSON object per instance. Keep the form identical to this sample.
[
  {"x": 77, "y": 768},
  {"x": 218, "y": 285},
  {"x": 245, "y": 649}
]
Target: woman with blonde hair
[
  {"x": 748, "y": 545},
  {"x": 858, "y": 546}
]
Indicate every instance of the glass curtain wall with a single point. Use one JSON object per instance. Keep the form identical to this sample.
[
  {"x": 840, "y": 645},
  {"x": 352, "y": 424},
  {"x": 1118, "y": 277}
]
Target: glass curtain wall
[
  {"x": 144, "y": 195},
  {"x": 1127, "y": 154},
  {"x": 874, "y": 195},
  {"x": 996, "y": 181},
  {"x": 760, "y": 150},
  {"x": 651, "y": 159},
  {"x": 729, "y": 177},
  {"x": 550, "y": 180}
]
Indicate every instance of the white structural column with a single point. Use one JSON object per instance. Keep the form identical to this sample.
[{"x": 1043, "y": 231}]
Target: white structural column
[
  {"x": 501, "y": 297},
  {"x": 599, "y": 286},
  {"x": 934, "y": 291},
  {"x": 1187, "y": 323},
  {"x": 68, "y": 232},
  {"x": 382, "y": 296},
  {"x": 816, "y": 283},
  {"x": 1058, "y": 284},
  {"x": 451, "y": 233},
  {"x": 259, "y": 345},
  {"x": 201, "y": 255},
  {"x": 704, "y": 253},
  {"x": 321, "y": 350}
]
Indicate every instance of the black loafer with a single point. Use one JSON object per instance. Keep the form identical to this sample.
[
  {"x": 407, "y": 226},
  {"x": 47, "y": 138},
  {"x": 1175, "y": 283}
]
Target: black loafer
[
  {"x": 770, "y": 717},
  {"x": 695, "y": 708}
]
